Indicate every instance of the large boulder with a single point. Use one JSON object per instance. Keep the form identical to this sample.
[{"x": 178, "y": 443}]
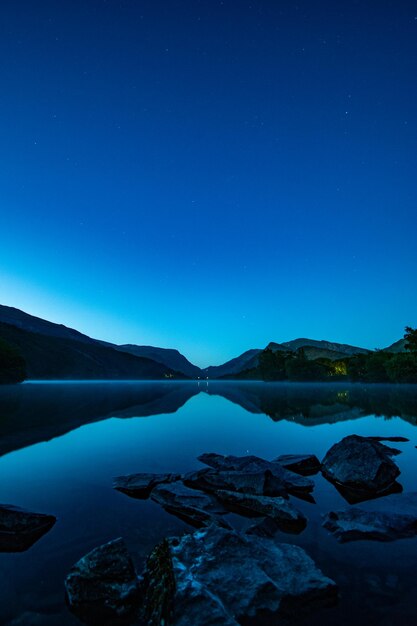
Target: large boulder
[
  {"x": 102, "y": 587},
  {"x": 394, "y": 517},
  {"x": 280, "y": 479},
  {"x": 20, "y": 529},
  {"x": 361, "y": 464},
  {"x": 284, "y": 514},
  {"x": 218, "y": 577},
  {"x": 140, "y": 485},
  {"x": 193, "y": 506}
]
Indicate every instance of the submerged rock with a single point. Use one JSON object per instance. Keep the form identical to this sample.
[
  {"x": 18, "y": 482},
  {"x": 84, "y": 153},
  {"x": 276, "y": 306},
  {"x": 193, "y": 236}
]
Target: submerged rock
[
  {"x": 20, "y": 529},
  {"x": 218, "y": 577},
  {"x": 394, "y": 517},
  {"x": 279, "y": 479},
  {"x": 284, "y": 514},
  {"x": 304, "y": 464},
  {"x": 195, "y": 507},
  {"x": 102, "y": 587},
  {"x": 141, "y": 485},
  {"x": 360, "y": 464}
]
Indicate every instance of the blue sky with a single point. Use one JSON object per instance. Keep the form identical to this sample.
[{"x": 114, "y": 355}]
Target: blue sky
[{"x": 210, "y": 177}]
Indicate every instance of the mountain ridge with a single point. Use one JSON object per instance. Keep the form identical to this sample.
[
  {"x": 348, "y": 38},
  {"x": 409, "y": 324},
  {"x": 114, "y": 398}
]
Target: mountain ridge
[{"x": 169, "y": 358}]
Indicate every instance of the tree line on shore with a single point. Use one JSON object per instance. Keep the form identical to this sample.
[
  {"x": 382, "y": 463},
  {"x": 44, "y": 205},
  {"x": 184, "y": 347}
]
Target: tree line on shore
[{"x": 374, "y": 367}]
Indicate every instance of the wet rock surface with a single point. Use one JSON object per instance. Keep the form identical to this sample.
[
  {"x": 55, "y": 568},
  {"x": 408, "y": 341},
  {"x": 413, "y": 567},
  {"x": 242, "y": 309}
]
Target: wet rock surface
[
  {"x": 304, "y": 464},
  {"x": 20, "y": 529},
  {"x": 141, "y": 485},
  {"x": 361, "y": 464},
  {"x": 193, "y": 506},
  {"x": 257, "y": 483},
  {"x": 225, "y": 578},
  {"x": 282, "y": 512},
  {"x": 102, "y": 587},
  {"x": 391, "y": 518},
  {"x": 279, "y": 477},
  {"x": 397, "y": 439}
]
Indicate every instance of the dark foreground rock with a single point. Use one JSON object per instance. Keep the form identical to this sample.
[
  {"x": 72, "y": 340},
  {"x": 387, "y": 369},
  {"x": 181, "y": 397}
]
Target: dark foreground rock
[
  {"x": 259, "y": 482},
  {"x": 102, "y": 588},
  {"x": 280, "y": 479},
  {"x": 361, "y": 464},
  {"x": 219, "y": 577},
  {"x": 284, "y": 514},
  {"x": 304, "y": 464},
  {"x": 193, "y": 506},
  {"x": 20, "y": 529},
  {"x": 394, "y": 517},
  {"x": 141, "y": 485}
]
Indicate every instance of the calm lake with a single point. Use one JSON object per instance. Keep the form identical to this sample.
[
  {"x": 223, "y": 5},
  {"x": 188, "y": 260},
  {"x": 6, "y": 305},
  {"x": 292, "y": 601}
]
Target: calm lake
[{"x": 61, "y": 444}]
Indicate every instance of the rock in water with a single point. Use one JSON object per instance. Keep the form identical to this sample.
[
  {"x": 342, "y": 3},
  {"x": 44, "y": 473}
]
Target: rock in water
[
  {"x": 394, "y": 517},
  {"x": 397, "y": 439},
  {"x": 243, "y": 482},
  {"x": 304, "y": 464},
  {"x": 102, "y": 588},
  {"x": 360, "y": 464},
  {"x": 141, "y": 485},
  {"x": 231, "y": 462},
  {"x": 20, "y": 529},
  {"x": 280, "y": 479},
  {"x": 223, "y": 578},
  {"x": 284, "y": 514},
  {"x": 195, "y": 507}
]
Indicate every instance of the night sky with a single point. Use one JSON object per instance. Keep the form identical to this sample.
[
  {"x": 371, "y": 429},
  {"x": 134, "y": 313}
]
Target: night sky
[{"x": 210, "y": 175}]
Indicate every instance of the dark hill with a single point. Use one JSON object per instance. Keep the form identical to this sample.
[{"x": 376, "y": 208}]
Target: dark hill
[
  {"x": 50, "y": 357},
  {"x": 330, "y": 346},
  {"x": 20, "y": 319},
  {"x": 167, "y": 356},
  {"x": 245, "y": 361}
]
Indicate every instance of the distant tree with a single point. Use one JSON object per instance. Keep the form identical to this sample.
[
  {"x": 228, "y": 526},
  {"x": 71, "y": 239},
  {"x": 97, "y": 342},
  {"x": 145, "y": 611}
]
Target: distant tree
[
  {"x": 411, "y": 339},
  {"x": 356, "y": 367},
  {"x": 299, "y": 368},
  {"x": 12, "y": 365},
  {"x": 272, "y": 365},
  {"x": 375, "y": 367},
  {"x": 402, "y": 368}
]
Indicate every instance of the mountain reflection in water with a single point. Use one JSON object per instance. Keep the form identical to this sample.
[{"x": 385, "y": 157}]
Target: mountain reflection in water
[{"x": 35, "y": 412}]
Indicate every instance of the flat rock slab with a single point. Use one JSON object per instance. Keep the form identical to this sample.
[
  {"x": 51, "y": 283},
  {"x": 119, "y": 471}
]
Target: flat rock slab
[
  {"x": 284, "y": 514},
  {"x": 257, "y": 482},
  {"x": 280, "y": 479},
  {"x": 141, "y": 485},
  {"x": 388, "y": 519},
  {"x": 193, "y": 506},
  {"x": 304, "y": 464},
  {"x": 102, "y": 587},
  {"x": 223, "y": 578},
  {"x": 362, "y": 464},
  {"x": 392, "y": 439},
  {"x": 20, "y": 529}
]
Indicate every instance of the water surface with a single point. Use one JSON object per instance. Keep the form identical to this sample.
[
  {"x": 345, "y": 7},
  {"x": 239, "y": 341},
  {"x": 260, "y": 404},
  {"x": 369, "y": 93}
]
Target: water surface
[{"x": 62, "y": 443}]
